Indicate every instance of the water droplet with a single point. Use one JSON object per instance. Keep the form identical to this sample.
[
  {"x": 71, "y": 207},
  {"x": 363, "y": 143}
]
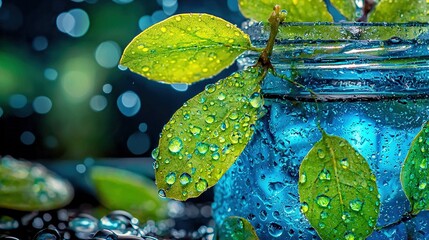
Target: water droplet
[
  {"x": 145, "y": 69},
  {"x": 205, "y": 70},
  {"x": 422, "y": 185},
  {"x": 304, "y": 207},
  {"x": 356, "y": 205},
  {"x": 344, "y": 163},
  {"x": 325, "y": 175},
  {"x": 323, "y": 200},
  {"x": 155, "y": 165},
  {"x": 324, "y": 215},
  {"x": 84, "y": 223},
  {"x": 221, "y": 96},
  {"x": 349, "y": 236},
  {"x": 235, "y": 137},
  {"x": 178, "y": 18},
  {"x": 210, "y": 119},
  {"x": 214, "y": 147},
  {"x": 275, "y": 229},
  {"x": 422, "y": 149},
  {"x": 202, "y": 148},
  {"x": 161, "y": 193},
  {"x": 233, "y": 115},
  {"x": 321, "y": 153},
  {"x": 302, "y": 178},
  {"x": 185, "y": 178},
  {"x": 256, "y": 100},
  {"x": 423, "y": 163},
  {"x": 175, "y": 145},
  {"x": 170, "y": 178},
  {"x": 201, "y": 185},
  {"x": 195, "y": 130},
  {"x": 155, "y": 153},
  {"x": 210, "y": 88},
  {"x": 322, "y": 225},
  {"x": 346, "y": 217},
  {"x": 215, "y": 156},
  {"x": 8, "y": 223},
  {"x": 163, "y": 29}
]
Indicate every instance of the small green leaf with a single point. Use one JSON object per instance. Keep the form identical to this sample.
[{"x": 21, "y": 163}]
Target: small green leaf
[
  {"x": 337, "y": 189},
  {"x": 185, "y": 48},
  {"x": 399, "y": 11},
  {"x": 207, "y": 134},
  {"x": 29, "y": 187},
  {"x": 297, "y": 10},
  {"x": 236, "y": 228},
  {"x": 346, "y": 7},
  {"x": 415, "y": 172},
  {"x": 121, "y": 189}
]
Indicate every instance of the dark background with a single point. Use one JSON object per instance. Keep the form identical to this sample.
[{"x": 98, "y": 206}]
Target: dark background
[{"x": 62, "y": 95}]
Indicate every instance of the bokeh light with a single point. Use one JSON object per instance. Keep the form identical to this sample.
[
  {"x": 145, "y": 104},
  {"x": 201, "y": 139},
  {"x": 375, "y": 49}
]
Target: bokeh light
[
  {"x": 138, "y": 143},
  {"x": 129, "y": 103},
  {"x": 98, "y": 103},
  {"x": 74, "y": 22},
  {"x": 145, "y": 22},
  {"x": 40, "y": 43},
  {"x": 42, "y": 104},
  {"x": 123, "y": 1},
  {"x": 107, "y": 88},
  {"x": 27, "y": 138},
  {"x": 50, "y": 74},
  {"x": 77, "y": 84},
  {"x": 107, "y": 54},
  {"x": 143, "y": 127},
  {"x": 17, "y": 101}
]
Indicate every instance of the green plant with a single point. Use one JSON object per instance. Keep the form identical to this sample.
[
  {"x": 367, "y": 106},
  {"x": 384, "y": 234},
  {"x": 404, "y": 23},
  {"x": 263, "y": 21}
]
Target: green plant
[{"x": 208, "y": 133}]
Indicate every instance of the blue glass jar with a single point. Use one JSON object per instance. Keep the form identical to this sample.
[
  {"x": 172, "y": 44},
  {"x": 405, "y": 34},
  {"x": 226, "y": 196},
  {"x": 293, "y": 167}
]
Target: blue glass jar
[{"x": 372, "y": 85}]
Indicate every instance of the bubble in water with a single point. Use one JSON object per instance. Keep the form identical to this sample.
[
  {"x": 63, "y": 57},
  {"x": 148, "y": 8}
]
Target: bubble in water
[
  {"x": 175, "y": 145},
  {"x": 323, "y": 200},
  {"x": 201, "y": 185},
  {"x": 275, "y": 229},
  {"x": 185, "y": 178},
  {"x": 356, "y": 205},
  {"x": 170, "y": 178}
]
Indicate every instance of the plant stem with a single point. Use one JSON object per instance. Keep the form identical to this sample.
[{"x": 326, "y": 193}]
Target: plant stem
[{"x": 275, "y": 19}]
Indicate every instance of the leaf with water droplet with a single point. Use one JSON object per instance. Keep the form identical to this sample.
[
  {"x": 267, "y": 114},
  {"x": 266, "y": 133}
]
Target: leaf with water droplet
[
  {"x": 236, "y": 228},
  {"x": 122, "y": 189},
  {"x": 185, "y": 48},
  {"x": 346, "y": 7},
  {"x": 28, "y": 186},
  {"x": 297, "y": 10},
  {"x": 199, "y": 158},
  {"x": 400, "y": 11},
  {"x": 415, "y": 172},
  {"x": 340, "y": 195}
]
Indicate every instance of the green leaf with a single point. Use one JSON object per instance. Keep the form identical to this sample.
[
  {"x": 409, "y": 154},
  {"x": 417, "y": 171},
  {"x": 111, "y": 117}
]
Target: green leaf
[
  {"x": 415, "y": 172},
  {"x": 207, "y": 134},
  {"x": 337, "y": 189},
  {"x": 29, "y": 187},
  {"x": 236, "y": 228},
  {"x": 297, "y": 10},
  {"x": 121, "y": 189},
  {"x": 185, "y": 48},
  {"x": 346, "y": 7},
  {"x": 399, "y": 11}
]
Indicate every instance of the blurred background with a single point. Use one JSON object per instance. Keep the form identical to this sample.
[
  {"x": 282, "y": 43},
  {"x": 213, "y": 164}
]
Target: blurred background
[{"x": 62, "y": 93}]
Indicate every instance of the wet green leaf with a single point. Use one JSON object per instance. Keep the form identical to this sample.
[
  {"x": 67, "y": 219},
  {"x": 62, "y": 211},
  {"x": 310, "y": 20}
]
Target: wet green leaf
[
  {"x": 207, "y": 134},
  {"x": 346, "y": 7},
  {"x": 185, "y": 48},
  {"x": 27, "y": 186},
  {"x": 400, "y": 11},
  {"x": 297, "y": 10},
  {"x": 236, "y": 228},
  {"x": 121, "y": 189},
  {"x": 337, "y": 189},
  {"x": 415, "y": 172}
]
